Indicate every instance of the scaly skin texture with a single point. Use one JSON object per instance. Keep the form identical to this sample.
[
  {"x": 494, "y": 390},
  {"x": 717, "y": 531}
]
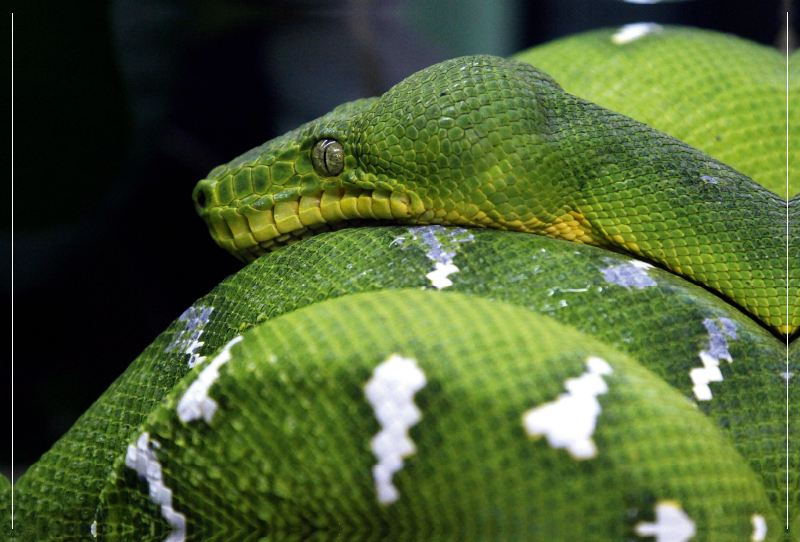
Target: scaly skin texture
[
  {"x": 580, "y": 287},
  {"x": 287, "y": 455},
  {"x": 488, "y": 142},
  {"x": 288, "y": 452},
  {"x": 721, "y": 94}
]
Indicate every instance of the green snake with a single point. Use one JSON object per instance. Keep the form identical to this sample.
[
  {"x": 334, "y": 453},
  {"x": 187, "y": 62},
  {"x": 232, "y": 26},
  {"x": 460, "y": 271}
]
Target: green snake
[{"x": 408, "y": 365}]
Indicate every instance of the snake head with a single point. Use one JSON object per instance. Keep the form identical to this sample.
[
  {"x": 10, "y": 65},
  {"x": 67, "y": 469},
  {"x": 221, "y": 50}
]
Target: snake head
[
  {"x": 285, "y": 190},
  {"x": 437, "y": 148}
]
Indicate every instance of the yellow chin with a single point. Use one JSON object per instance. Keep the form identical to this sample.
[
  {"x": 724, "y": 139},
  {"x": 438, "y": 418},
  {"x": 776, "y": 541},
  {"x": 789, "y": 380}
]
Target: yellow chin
[{"x": 248, "y": 232}]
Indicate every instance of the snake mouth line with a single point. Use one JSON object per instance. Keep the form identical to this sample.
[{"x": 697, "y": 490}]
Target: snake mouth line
[{"x": 247, "y": 232}]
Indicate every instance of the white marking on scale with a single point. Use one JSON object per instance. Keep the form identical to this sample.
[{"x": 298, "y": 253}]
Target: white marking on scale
[
  {"x": 391, "y": 391},
  {"x": 196, "y": 318},
  {"x": 672, "y": 524},
  {"x": 196, "y": 402},
  {"x": 569, "y": 421},
  {"x": 142, "y": 457},
  {"x": 634, "y": 31},
  {"x": 442, "y": 251},
  {"x": 630, "y": 274},
  {"x": 759, "y": 528},
  {"x": 93, "y": 528},
  {"x": 717, "y": 349},
  {"x": 438, "y": 276}
]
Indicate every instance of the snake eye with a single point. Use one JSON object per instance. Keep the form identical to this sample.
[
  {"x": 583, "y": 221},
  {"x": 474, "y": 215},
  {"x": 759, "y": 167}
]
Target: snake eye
[{"x": 327, "y": 156}]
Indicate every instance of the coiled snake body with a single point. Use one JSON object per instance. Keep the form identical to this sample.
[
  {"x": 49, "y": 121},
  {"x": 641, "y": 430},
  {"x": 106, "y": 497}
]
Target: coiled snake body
[{"x": 427, "y": 373}]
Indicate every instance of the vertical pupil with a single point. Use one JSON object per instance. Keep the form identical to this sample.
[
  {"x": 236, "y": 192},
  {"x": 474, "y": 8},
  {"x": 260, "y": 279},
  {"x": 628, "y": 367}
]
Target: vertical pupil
[{"x": 325, "y": 154}]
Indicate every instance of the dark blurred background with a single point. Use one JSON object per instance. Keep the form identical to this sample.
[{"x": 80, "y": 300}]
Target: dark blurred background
[{"x": 120, "y": 107}]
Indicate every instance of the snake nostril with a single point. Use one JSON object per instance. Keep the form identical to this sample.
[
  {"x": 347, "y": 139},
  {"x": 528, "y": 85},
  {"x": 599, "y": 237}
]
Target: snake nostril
[{"x": 199, "y": 196}]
